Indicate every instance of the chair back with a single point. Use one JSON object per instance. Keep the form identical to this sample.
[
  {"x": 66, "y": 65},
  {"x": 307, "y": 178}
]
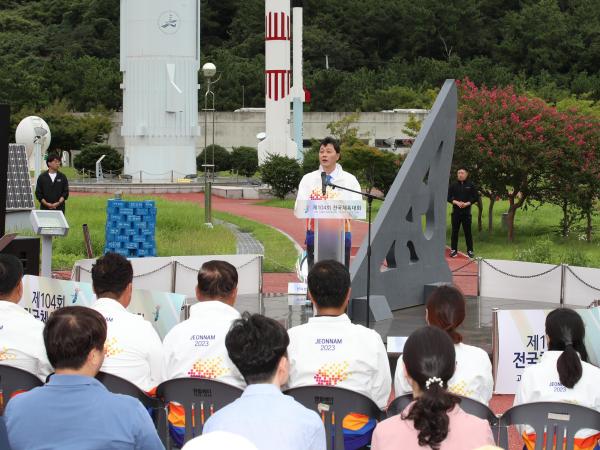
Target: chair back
[
  {"x": 551, "y": 421},
  {"x": 467, "y": 404},
  {"x": 12, "y": 380},
  {"x": 199, "y": 397},
  {"x": 398, "y": 404},
  {"x": 333, "y": 404},
  {"x": 4, "y": 445},
  {"x": 118, "y": 385}
]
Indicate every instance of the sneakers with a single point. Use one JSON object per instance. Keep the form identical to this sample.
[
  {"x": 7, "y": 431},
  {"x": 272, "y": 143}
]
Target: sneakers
[
  {"x": 453, "y": 253},
  {"x": 470, "y": 254}
]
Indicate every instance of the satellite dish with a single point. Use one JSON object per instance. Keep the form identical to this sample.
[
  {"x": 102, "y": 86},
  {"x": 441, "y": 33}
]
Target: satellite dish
[
  {"x": 31, "y": 130},
  {"x": 261, "y": 136}
]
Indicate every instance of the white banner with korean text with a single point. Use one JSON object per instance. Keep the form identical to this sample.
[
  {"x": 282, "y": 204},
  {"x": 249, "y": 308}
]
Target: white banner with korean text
[
  {"x": 522, "y": 342},
  {"x": 42, "y": 296}
]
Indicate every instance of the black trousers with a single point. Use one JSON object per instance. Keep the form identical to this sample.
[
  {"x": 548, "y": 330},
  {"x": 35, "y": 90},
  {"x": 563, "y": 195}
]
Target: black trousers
[{"x": 464, "y": 219}]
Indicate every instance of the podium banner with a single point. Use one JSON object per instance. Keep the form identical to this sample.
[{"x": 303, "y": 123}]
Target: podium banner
[
  {"x": 522, "y": 342},
  {"x": 330, "y": 209},
  {"x": 42, "y": 296}
]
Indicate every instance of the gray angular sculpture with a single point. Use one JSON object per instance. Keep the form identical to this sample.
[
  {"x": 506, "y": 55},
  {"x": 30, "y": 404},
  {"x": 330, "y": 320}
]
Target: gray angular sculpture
[{"x": 409, "y": 233}]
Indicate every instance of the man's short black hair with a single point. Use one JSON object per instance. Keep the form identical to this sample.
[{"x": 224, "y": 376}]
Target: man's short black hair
[
  {"x": 328, "y": 283},
  {"x": 111, "y": 274},
  {"x": 11, "y": 272},
  {"x": 217, "y": 279},
  {"x": 256, "y": 344},
  {"x": 52, "y": 157},
  {"x": 462, "y": 168},
  {"x": 329, "y": 140},
  {"x": 71, "y": 333}
]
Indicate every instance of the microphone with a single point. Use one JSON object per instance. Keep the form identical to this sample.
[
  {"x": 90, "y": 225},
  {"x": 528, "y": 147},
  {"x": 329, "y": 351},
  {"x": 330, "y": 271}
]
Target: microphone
[{"x": 324, "y": 182}]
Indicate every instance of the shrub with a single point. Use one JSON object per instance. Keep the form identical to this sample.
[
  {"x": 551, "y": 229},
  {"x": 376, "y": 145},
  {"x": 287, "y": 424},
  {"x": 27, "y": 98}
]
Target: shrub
[
  {"x": 244, "y": 161},
  {"x": 539, "y": 252},
  {"x": 91, "y": 153},
  {"x": 222, "y": 158},
  {"x": 283, "y": 174}
]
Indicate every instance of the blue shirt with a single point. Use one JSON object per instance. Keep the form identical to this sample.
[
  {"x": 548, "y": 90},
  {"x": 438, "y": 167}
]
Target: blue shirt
[
  {"x": 75, "y": 412},
  {"x": 270, "y": 420}
]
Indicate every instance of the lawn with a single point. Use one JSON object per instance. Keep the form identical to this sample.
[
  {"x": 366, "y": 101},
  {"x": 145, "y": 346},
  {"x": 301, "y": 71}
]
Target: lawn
[
  {"x": 536, "y": 235},
  {"x": 179, "y": 231}
]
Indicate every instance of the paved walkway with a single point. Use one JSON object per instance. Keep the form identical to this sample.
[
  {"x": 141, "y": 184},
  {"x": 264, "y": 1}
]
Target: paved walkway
[{"x": 464, "y": 273}]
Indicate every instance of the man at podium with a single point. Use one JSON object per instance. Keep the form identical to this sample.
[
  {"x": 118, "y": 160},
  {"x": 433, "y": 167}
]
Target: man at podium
[{"x": 314, "y": 187}]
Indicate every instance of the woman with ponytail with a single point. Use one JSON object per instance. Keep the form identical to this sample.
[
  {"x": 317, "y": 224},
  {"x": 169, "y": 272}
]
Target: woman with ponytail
[
  {"x": 562, "y": 374},
  {"x": 434, "y": 420},
  {"x": 446, "y": 309}
]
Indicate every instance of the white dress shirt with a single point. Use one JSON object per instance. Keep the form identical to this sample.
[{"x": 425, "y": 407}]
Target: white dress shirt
[
  {"x": 332, "y": 351},
  {"x": 196, "y": 346},
  {"x": 133, "y": 349},
  {"x": 472, "y": 378},
  {"x": 22, "y": 341},
  {"x": 310, "y": 187},
  {"x": 540, "y": 383}
]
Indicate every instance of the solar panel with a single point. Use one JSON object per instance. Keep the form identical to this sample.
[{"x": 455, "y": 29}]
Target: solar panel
[{"x": 19, "y": 194}]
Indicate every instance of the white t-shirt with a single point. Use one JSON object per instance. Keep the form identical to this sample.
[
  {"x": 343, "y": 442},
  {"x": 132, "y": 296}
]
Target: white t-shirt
[
  {"x": 52, "y": 176},
  {"x": 540, "y": 383},
  {"x": 472, "y": 378},
  {"x": 332, "y": 351},
  {"x": 22, "y": 341},
  {"x": 133, "y": 349},
  {"x": 196, "y": 346}
]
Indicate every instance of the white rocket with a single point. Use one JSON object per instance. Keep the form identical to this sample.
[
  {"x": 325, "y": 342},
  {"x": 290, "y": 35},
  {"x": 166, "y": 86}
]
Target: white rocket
[
  {"x": 160, "y": 59},
  {"x": 278, "y": 81}
]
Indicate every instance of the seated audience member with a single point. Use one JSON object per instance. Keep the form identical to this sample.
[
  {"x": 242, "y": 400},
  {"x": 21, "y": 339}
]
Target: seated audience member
[
  {"x": 21, "y": 341},
  {"x": 133, "y": 348},
  {"x": 445, "y": 309},
  {"x": 330, "y": 350},
  {"x": 434, "y": 419},
  {"x": 562, "y": 374},
  {"x": 196, "y": 346},
  {"x": 263, "y": 414},
  {"x": 74, "y": 411}
]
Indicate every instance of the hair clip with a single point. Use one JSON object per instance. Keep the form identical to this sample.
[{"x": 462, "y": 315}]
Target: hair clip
[{"x": 431, "y": 380}]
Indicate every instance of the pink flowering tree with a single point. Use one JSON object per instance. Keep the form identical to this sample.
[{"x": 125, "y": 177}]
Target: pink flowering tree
[
  {"x": 521, "y": 149},
  {"x": 504, "y": 137}
]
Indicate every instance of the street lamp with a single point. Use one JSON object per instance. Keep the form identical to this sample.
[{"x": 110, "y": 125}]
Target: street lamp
[{"x": 209, "y": 70}]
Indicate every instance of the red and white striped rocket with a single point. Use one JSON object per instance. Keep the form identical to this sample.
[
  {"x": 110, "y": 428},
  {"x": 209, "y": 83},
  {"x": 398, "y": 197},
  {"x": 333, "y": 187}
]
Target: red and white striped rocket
[{"x": 278, "y": 81}]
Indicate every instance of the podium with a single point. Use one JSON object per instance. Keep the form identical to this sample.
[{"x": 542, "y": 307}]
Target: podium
[{"x": 330, "y": 218}]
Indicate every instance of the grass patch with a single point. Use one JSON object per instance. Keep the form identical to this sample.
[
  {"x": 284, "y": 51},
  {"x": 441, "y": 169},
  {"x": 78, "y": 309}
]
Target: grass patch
[
  {"x": 280, "y": 251},
  {"x": 536, "y": 237},
  {"x": 179, "y": 231}
]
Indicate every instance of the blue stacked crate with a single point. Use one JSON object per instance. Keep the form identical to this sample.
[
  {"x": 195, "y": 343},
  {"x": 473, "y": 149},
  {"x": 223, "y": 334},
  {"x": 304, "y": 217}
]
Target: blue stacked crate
[{"x": 130, "y": 228}]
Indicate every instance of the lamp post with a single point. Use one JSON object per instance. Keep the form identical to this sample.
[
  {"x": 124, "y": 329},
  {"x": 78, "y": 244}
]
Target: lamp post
[{"x": 209, "y": 70}]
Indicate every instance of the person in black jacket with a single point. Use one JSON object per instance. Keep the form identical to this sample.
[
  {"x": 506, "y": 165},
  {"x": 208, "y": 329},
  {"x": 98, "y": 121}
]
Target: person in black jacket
[
  {"x": 462, "y": 194},
  {"x": 52, "y": 188}
]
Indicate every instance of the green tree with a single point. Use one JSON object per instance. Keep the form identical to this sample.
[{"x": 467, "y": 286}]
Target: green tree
[
  {"x": 283, "y": 174},
  {"x": 221, "y": 155},
  {"x": 86, "y": 160},
  {"x": 244, "y": 161}
]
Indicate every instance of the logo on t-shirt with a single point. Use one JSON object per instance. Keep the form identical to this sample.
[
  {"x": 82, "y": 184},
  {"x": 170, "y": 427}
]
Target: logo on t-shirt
[
  {"x": 111, "y": 348},
  {"x": 208, "y": 368},
  {"x": 5, "y": 355},
  {"x": 330, "y": 374}
]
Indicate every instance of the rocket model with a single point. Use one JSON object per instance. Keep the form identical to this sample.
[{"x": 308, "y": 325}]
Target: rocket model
[
  {"x": 278, "y": 81},
  {"x": 160, "y": 59}
]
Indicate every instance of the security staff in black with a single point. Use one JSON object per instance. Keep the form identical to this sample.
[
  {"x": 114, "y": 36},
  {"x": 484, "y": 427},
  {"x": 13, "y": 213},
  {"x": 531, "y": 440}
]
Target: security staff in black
[
  {"x": 52, "y": 188},
  {"x": 462, "y": 194}
]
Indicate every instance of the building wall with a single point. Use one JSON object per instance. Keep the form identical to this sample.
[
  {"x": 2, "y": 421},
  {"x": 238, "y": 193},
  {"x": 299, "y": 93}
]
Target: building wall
[{"x": 235, "y": 129}]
